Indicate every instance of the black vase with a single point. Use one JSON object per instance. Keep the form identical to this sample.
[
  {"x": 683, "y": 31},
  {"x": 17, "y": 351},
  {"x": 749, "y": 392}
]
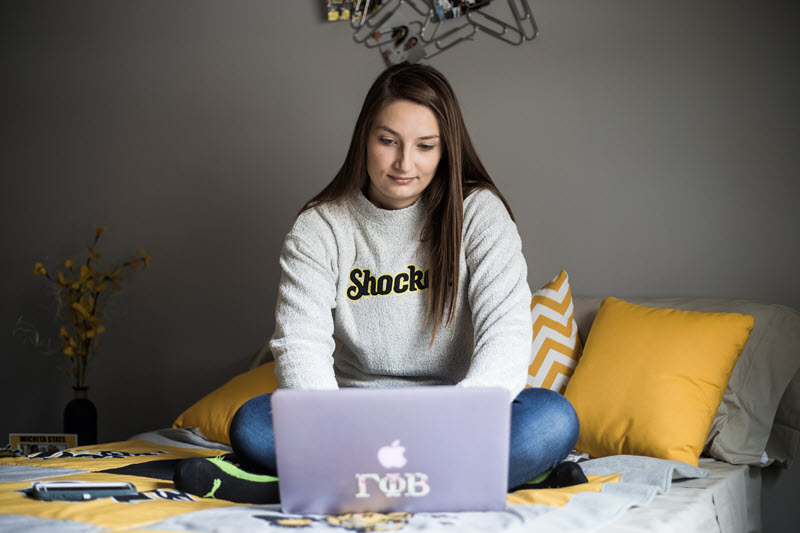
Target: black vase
[{"x": 80, "y": 416}]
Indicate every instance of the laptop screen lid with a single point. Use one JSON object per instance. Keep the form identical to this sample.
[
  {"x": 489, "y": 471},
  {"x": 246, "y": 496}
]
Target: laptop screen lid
[{"x": 416, "y": 449}]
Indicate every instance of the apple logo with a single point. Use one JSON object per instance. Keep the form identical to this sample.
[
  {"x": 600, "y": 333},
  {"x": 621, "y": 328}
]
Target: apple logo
[{"x": 392, "y": 456}]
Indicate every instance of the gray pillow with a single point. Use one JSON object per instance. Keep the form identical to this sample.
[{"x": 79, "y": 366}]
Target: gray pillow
[
  {"x": 782, "y": 443},
  {"x": 758, "y": 392}
]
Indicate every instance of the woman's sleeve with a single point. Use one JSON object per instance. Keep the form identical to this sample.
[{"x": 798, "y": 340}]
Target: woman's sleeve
[
  {"x": 303, "y": 341},
  {"x": 499, "y": 296}
]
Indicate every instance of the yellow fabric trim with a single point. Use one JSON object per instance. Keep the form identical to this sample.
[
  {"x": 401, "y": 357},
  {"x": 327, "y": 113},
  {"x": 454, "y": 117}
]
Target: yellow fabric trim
[
  {"x": 560, "y": 497},
  {"x": 566, "y": 331},
  {"x": 105, "y": 512},
  {"x": 109, "y": 514},
  {"x": 556, "y": 370},
  {"x": 547, "y": 346},
  {"x": 107, "y": 463}
]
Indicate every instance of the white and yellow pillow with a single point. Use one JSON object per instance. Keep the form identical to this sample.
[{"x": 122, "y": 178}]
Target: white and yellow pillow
[{"x": 556, "y": 346}]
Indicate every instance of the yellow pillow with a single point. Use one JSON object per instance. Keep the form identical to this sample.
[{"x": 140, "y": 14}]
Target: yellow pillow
[
  {"x": 556, "y": 346},
  {"x": 650, "y": 380},
  {"x": 212, "y": 415}
]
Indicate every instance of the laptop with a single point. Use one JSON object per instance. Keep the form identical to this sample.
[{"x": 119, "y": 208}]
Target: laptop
[{"x": 416, "y": 449}]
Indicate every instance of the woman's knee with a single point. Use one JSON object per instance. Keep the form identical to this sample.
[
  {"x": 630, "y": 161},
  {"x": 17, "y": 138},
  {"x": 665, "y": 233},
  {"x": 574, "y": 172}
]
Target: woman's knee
[
  {"x": 251, "y": 426},
  {"x": 552, "y": 411}
]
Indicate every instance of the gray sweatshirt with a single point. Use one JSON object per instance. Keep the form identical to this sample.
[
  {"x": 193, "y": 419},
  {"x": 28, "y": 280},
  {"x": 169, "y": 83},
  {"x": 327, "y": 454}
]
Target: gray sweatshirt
[{"x": 354, "y": 291}]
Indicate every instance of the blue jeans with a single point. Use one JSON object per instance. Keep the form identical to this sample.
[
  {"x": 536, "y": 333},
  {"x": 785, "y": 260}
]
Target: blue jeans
[{"x": 544, "y": 429}]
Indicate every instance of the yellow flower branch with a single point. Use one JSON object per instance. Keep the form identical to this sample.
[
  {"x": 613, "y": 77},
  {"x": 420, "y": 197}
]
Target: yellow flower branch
[{"x": 81, "y": 298}]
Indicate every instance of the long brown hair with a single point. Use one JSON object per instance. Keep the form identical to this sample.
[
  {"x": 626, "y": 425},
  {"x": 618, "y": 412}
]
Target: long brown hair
[{"x": 459, "y": 173}]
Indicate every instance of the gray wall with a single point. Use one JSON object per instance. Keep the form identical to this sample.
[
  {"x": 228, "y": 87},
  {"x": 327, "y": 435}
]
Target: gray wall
[{"x": 650, "y": 148}]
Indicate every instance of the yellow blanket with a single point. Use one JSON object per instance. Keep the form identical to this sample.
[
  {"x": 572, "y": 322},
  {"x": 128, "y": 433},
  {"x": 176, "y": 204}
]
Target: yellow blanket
[{"x": 158, "y": 502}]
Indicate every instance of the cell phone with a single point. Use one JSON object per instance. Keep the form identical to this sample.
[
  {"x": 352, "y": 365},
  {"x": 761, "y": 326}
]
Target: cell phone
[{"x": 79, "y": 491}]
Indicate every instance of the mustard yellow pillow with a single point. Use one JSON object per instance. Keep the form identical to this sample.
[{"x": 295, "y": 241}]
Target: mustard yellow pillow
[
  {"x": 649, "y": 381},
  {"x": 212, "y": 415}
]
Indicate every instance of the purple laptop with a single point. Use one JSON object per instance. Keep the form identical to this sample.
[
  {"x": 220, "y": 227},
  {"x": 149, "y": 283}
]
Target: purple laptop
[{"x": 417, "y": 449}]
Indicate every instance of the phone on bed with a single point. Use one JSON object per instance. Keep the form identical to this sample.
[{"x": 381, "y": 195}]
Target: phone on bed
[{"x": 79, "y": 491}]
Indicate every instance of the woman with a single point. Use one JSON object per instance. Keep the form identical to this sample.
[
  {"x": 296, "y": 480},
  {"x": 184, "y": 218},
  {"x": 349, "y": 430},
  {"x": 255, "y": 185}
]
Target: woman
[{"x": 406, "y": 270}]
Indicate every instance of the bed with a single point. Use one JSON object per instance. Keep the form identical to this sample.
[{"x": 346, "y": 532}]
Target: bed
[{"x": 755, "y": 424}]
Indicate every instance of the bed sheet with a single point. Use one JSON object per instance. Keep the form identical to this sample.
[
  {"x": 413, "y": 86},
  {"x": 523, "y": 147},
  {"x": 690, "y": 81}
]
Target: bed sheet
[
  {"x": 615, "y": 487},
  {"x": 727, "y": 501}
]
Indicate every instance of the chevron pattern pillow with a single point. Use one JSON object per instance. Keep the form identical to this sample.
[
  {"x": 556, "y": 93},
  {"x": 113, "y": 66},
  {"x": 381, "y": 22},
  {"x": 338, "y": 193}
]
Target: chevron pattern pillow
[{"x": 556, "y": 345}]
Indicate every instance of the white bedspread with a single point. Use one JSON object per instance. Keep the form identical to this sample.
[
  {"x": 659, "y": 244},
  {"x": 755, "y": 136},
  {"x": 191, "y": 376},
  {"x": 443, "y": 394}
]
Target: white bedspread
[
  {"x": 642, "y": 478},
  {"x": 647, "y": 501},
  {"x": 727, "y": 501}
]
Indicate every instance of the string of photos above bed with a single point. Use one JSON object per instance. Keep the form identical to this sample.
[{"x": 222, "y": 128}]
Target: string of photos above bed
[{"x": 415, "y": 30}]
